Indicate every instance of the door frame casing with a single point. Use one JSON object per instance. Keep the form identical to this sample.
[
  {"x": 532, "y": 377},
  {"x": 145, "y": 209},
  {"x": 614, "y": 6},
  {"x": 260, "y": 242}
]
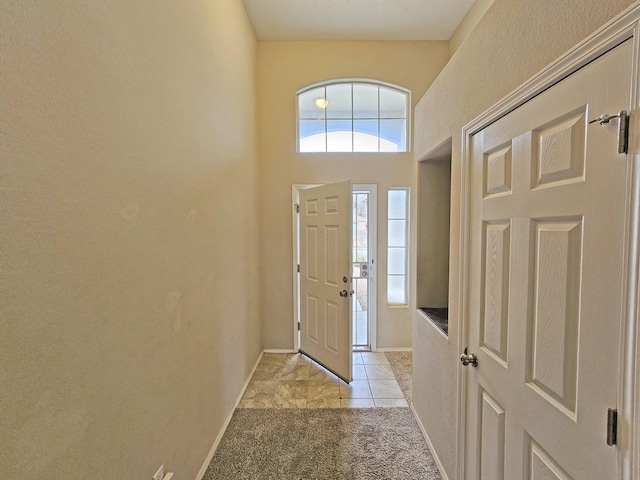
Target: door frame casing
[
  {"x": 372, "y": 318},
  {"x": 624, "y": 27},
  {"x": 372, "y": 230}
]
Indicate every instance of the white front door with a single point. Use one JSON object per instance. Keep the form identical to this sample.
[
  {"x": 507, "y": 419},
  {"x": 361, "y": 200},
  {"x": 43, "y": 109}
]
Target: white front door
[
  {"x": 325, "y": 276},
  {"x": 547, "y": 251}
]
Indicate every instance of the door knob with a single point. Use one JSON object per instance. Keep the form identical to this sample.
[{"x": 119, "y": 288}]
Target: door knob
[
  {"x": 469, "y": 359},
  {"x": 344, "y": 293}
]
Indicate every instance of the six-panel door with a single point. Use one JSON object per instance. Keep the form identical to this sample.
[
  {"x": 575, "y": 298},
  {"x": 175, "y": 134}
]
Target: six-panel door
[
  {"x": 325, "y": 276},
  {"x": 547, "y": 246}
]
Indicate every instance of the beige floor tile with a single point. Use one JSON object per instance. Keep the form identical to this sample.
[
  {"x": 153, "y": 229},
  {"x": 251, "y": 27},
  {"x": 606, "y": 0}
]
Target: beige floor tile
[
  {"x": 285, "y": 402},
  {"x": 379, "y": 372},
  {"x": 356, "y": 389},
  {"x": 294, "y": 381},
  {"x": 295, "y": 372},
  {"x": 390, "y": 402},
  {"x": 267, "y": 372},
  {"x": 273, "y": 359},
  {"x": 320, "y": 375},
  {"x": 385, "y": 389},
  {"x": 260, "y": 389},
  {"x": 256, "y": 403},
  {"x": 323, "y": 391},
  {"x": 356, "y": 403},
  {"x": 374, "y": 358},
  {"x": 323, "y": 403},
  {"x": 292, "y": 389},
  {"x": 359, "y": 372},
  {"x": 297, "y": 359}
]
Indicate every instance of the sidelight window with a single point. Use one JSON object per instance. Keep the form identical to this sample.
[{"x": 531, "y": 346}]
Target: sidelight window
[{"x": 397, "y": 245}]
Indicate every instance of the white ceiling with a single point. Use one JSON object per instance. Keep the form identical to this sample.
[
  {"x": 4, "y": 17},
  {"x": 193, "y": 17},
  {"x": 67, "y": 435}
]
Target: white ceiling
[{"x": 356, "y": 19}]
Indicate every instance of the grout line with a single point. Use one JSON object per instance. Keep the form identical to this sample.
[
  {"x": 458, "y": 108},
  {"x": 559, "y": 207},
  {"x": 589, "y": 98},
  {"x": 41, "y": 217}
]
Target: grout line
[{"x": 306, "y": 382}]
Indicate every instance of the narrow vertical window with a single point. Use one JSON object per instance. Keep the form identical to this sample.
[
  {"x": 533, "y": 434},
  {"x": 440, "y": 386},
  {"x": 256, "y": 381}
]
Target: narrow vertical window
[{"x": 397, "y": 245}]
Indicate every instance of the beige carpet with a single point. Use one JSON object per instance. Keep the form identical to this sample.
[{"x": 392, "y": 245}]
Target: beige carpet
[
  {"x": 340, "y": 444},
  {"x": 400, "y": 363},
  {"x": 336, "y": 444}
]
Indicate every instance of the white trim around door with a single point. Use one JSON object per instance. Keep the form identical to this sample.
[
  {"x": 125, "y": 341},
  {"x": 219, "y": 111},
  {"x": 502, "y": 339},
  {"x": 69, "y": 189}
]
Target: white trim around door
[
  {"x": 373, "y": 250},
  {"x": 624, "y": 27}
]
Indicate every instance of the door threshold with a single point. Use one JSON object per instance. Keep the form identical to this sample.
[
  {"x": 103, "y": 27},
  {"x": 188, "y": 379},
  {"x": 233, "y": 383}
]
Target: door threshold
[{"x": 361, "y": 349}]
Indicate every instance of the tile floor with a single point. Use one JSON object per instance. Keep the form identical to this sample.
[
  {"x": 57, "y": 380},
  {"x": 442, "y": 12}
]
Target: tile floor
[{"x": 288, "y": 380}]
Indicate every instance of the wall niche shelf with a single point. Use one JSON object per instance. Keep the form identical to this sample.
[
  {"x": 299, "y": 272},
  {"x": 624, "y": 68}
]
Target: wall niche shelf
[
  {"x": 439, "y": 317},
  {"x": 434, "y": 208}
]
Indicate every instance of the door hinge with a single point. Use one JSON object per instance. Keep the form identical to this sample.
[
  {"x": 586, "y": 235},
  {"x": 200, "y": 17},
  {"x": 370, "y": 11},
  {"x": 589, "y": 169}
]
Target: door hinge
[
  {"x": 623, "y": 132},
  {"x": 612, "y": 427},
  {"x": 623, "y": 128},
  {"x": 297, "y": 205},
  {"x": 298, "y": 326},
  {"x": 298, "y": 268}
]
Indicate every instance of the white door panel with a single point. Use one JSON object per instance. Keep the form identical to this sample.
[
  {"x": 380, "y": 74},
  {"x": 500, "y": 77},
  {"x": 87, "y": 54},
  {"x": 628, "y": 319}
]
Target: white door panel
[
  {"x": 548, "y": 193},
  {"x": 325, "y": 276}
]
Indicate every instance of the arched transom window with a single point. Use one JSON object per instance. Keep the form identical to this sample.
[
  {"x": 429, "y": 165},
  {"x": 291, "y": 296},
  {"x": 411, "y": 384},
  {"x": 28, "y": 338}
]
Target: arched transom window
[{"x": 357, "y": 116}]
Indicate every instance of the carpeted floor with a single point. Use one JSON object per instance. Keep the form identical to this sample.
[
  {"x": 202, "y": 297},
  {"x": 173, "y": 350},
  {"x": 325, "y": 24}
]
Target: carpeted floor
[
  {"x": 315, "y": 444},
  {"x": 337, "y": 444},
  {"x": 400, "y": 363}
]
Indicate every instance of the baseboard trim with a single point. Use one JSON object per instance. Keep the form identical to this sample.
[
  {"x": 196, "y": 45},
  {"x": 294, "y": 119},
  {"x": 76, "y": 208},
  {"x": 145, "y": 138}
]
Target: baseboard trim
[
  {"x": 207, "y": 461},
  {"x": 429, "y": 444},
  {"x": 279, "y": 350},
  {"x": 405, "y": 349}
]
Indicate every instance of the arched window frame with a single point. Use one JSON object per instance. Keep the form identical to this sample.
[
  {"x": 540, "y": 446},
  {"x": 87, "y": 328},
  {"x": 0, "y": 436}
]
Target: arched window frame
[{"x": 352, "y": 82}]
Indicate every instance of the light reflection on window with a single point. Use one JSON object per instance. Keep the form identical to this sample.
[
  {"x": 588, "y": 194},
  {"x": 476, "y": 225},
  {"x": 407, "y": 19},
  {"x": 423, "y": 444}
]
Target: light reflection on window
[
  {"x": 397, "y": 245},
  {"x": 352, "y": 117}
]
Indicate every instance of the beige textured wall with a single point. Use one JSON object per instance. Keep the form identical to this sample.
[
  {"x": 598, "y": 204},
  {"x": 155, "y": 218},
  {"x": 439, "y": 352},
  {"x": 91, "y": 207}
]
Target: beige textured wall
[
  {"x": 512, "y": 42},
  {"x": 129, "y": 298},
  {"x": 284, "y": 68},
  {"x": 469, "y": 22},
  {"x": 432, "y": 265}
]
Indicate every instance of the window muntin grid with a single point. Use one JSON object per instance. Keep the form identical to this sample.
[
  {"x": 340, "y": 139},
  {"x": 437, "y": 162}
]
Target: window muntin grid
[
  {"x": 358, "y": 117},
  {"x": 397, "y": 245}
]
